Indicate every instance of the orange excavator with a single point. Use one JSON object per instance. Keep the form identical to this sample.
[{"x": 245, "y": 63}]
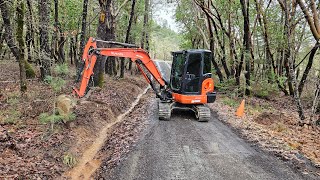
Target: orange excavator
[{"x": 190, "y": 86}]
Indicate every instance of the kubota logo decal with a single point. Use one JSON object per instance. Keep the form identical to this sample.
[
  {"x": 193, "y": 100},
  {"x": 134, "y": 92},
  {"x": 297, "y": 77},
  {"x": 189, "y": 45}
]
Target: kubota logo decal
[{"x": 116, "y": 54}]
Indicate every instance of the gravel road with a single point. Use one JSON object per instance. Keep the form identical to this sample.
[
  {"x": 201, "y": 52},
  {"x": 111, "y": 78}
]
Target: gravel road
[
  {"x": 183, "y": 148},
  {"x": 186, "y": 149}
]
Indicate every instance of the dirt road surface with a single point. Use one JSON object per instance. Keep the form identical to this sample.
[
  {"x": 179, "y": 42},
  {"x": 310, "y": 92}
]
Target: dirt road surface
[{"x": 183, "y": 148}]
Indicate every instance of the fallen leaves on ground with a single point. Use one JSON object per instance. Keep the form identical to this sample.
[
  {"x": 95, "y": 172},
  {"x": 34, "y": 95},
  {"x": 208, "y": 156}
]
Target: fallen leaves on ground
[{"x": 30, "y": 150}]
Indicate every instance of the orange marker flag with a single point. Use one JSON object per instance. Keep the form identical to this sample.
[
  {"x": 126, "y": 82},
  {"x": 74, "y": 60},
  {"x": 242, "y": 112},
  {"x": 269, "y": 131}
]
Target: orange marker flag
[{"x": 240, "y": 110}]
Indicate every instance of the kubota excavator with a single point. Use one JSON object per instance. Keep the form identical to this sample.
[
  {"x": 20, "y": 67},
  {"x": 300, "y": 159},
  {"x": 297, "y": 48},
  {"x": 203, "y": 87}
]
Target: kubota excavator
[{"x": 190, "y": 86}]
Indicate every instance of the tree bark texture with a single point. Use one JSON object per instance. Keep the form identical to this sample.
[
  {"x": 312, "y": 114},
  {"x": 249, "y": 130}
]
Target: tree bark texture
[
  {"x": 8, "y": 29},
  {"x": 44, "y": 20},
  {"x": 145, "y": 31},
  {"x": 215, "y": 64},
  {"x": 246, "y": 42},
  {"x": 30, "y": 31},
  {"x": 122, "y": 66},
  {"x": 292, "y": 76},
  {"x": 83, "y": 29},
  {"x": 308, "y": 68},
  {"x": 20, "y": 23}
]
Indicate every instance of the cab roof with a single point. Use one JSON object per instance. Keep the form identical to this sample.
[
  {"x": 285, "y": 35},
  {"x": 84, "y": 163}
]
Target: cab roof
[{"x": 191, "y": 51}]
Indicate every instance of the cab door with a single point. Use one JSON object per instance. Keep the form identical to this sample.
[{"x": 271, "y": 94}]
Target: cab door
[
  {"x": 177, "y": 71},
  {"x": 193, "y": 74}
]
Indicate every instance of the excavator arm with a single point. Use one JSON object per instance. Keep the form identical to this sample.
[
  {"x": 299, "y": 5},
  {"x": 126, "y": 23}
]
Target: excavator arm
[{"x": 137, "y": 55}]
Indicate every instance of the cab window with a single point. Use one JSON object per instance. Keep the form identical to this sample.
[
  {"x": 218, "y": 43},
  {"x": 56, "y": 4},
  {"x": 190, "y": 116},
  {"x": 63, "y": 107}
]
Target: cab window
[
  {"x": 177, "y": 70},
  {"x": 207, "y": 63}
]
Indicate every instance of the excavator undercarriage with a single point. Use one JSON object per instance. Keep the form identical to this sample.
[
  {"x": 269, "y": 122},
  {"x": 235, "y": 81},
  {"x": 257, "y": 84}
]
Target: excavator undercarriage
[{"x": 202, "y": 112}]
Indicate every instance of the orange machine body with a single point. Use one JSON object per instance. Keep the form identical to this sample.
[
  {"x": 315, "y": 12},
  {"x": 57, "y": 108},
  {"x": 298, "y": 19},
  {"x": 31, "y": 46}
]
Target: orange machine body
[
  {"x": 207, "y": 87},
  {"x": 141, "y": 58}
]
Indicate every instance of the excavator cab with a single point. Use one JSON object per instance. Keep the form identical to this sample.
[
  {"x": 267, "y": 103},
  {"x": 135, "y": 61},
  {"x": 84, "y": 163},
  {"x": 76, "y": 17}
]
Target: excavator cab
[
  {"x": 189, "y": 69},
  {"x": 191, "y": 84}
]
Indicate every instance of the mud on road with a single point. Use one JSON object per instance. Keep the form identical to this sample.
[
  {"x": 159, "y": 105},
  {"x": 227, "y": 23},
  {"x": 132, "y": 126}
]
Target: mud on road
[{"x": 183, "y": 148}]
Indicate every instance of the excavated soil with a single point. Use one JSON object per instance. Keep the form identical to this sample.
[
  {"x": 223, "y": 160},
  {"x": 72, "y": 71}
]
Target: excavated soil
[{"x": 31, "y": 150}]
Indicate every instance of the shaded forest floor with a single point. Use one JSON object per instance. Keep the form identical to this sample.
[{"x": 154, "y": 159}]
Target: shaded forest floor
[
  {"x": 273, "y": 125},
  {"x": 31, "y": 150}
]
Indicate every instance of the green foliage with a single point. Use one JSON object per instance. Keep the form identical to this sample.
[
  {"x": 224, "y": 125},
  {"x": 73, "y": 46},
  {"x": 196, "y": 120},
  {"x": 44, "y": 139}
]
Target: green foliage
[
  {"x": 30, "y": 73},
  {"x": 62, "y": 69},
  {"x": 12, "y": 117},
  {"x": 230, "y": 102},
  {"x": 48, "y": 79},
  {"x": 228, "y": 86},
  {"x": 68, "y": 117},
  {"x": 264, "y": 89},
  {"x": 69, "y": 160},
  {"x": 46, "y": 118},
  {"x": 163, "y": 42},
  {"x": 56, "y": 83}
]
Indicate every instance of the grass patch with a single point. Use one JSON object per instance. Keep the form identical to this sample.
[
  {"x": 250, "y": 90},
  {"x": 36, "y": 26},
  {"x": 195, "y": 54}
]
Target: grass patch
[
  {"x": 13, "y": 101},
  {"x": 265, "y": 90},
  {"x": 229, "y": 102},
  {"x": 10, "y": 117},
  {"x": 69, "y": 160},
  {"x": 46, "y": 118},
  {"x": 279, "y": 127}
]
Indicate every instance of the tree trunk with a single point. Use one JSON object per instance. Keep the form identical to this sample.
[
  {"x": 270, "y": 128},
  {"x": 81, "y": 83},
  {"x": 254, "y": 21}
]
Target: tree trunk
[
  {"x": 18, "y": 53},
  {"x": 58, "y": 39},
  {"x": 122, "y": 66},
  {"x": 71, "y": 51},
  {"x": 269, "y": 56},
  {"x": 145, "y": 31},
  {"x": 55, "y": 35},
  {"x": 83, "y": 29},
  {"x": 292, "y": 76},
  {"x": 105, "y": 31},
  {"x": 223, "y": 50},
  {"x": 313, "y": 20},
  {"x": 61, "y": 53},
  {"x": 44, "y": 20},
  {"x": 308, "y": 67},
  {"x": 8, "y": 29},
  {"x": 2, "y": 34},
  {"x": 20, "y": 22},
  {"x": 316, "y": 100},
  {"x": 246, "y": 42},
  {"x": 215, "y": 64},
  {"x": 30, "y": 31}
]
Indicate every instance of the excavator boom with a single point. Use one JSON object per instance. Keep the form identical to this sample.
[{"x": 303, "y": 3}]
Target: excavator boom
[{"x": 137, "y": 55}]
